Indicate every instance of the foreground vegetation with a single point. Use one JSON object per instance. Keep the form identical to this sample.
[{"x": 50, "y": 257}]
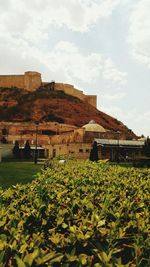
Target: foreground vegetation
[
  {"x": 77, "y": 214},
  {"x": 12, "y": 173}
]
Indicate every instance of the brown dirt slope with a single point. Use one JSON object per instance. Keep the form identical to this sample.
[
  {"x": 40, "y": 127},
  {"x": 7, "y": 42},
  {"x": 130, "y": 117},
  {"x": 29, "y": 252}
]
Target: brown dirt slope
[{"x": 47, "y": 105}]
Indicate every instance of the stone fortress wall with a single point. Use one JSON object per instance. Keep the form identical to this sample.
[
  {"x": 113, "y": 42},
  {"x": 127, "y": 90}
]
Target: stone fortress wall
[
  {"x": 71, "y": 90},
  {"x": 31, "y": 80}
]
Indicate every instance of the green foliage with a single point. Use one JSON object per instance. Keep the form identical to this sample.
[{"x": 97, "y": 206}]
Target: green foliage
[{"x": 80, "y": 213}]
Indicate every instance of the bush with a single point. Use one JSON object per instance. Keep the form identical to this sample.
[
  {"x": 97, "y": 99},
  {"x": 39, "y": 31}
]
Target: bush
[{"x": 77, "y": 214}]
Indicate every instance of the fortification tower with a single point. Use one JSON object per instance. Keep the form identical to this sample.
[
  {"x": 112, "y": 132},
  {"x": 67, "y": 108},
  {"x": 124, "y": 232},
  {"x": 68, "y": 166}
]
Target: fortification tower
[{"x": 30, "y": 81}]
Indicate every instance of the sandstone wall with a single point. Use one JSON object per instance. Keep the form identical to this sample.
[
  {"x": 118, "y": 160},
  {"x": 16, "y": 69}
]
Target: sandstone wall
[
  {"x": 74, "y": 136},
  {"x": 30, "y": 81},
  {"x": 91, "y": 99},
  {"x": 27, "y": 131},
  {"x": 70, "y": 90},
  {"x": 76, "y": 150},
  {"x": 12, "y": 81}
]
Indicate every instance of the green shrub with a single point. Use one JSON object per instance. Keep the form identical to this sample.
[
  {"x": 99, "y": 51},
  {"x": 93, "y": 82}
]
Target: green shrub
[{"x": 77, "y": 214}]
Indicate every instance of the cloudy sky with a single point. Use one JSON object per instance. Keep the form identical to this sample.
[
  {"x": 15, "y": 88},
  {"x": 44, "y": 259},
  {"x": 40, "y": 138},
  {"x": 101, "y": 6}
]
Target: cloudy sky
[{"x": 100, "y": 46}]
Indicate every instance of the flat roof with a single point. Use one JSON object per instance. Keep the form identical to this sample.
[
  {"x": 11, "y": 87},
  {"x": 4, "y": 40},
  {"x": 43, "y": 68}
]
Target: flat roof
[{"x": 124, "y": 143}]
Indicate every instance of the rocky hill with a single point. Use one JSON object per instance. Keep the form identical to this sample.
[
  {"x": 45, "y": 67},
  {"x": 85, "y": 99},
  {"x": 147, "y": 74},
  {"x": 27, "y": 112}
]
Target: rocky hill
[{"x": 17, "y": 105}]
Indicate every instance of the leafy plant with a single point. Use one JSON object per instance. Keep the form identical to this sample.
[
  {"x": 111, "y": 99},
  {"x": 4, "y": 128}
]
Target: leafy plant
[{"x": 80, "y": 213}]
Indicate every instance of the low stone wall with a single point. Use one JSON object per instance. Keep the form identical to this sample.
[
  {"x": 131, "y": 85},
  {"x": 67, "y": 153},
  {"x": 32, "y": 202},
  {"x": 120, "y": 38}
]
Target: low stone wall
[{"x": 6, "y": 150}]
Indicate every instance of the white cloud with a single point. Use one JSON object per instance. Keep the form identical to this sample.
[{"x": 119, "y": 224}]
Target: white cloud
[
  {"x": 113, "y": 97},
  {"x": 132, "y": 118},
  {"x": 111, "y": 73},
  {"x": 32, "y": 19},
  {"x": 63, "y": 63},
  {"x": 74, "y": 65},
  {"x": 139, "y": 32},
  {"x": 144, "y": 120},
  {"x": 24, "y": 33}
]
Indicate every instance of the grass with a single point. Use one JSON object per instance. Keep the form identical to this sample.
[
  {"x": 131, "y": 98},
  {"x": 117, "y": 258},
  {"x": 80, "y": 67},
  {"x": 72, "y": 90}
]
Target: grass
[{"x": 12, "y": 173}]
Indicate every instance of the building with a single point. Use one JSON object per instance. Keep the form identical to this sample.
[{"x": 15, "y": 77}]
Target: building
[
  {"x": 119, "y": 150},
  {"x": 78, "y": 143},
  {"x": 56, "y": 139},
  {"x": 23, "y": 131}
]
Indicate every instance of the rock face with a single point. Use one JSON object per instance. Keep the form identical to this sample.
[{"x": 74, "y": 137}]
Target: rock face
[{"x": 45, "y": 105}]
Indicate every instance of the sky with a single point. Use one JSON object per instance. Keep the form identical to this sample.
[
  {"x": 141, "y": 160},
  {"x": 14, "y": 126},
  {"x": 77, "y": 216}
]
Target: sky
[{"x": 101, "y": 47}]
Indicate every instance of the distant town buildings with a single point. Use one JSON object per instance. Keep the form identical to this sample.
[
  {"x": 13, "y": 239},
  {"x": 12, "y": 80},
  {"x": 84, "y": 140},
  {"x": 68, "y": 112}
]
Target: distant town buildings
[{"x": 55, "y": 139}]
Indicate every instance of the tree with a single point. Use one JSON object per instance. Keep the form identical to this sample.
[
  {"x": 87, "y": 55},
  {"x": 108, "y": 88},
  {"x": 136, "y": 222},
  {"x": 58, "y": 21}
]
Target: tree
[
  {"x": 94, "y": 152},
  {"x": 16, "y": 150},
  {"x": 27, "y": 150},
  {"x": 146, "y": 147}
]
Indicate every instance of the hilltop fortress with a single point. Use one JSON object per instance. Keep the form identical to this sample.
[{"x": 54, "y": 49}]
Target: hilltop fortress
[{"x": 31, "y": 80}]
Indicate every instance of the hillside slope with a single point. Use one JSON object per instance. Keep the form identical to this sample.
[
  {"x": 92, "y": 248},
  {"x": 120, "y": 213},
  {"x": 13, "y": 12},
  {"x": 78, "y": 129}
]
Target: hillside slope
[{"x": 41, "y": 105}]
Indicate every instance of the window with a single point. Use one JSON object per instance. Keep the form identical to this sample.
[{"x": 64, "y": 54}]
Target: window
[
  {"x": 80, "y": 150},
  {"x": 4, "y": 131},
  {"x": 48, "y": 132},
  {"x": 87, "y": 150},
  {"x": 103, "y": 152},
  {"x": 54, "y": 153}
]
